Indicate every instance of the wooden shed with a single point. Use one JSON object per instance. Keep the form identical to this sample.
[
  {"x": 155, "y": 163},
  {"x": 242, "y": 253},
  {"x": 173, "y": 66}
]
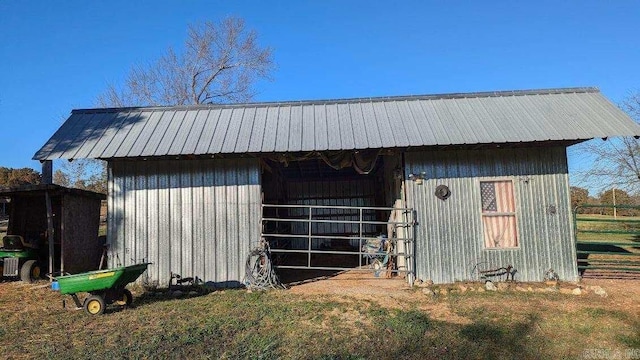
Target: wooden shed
[{"x": 70, "y": 241}]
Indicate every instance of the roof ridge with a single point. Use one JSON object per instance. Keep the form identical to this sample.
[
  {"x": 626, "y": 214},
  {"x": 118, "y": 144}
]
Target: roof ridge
[{"x": 503, "y": 93}]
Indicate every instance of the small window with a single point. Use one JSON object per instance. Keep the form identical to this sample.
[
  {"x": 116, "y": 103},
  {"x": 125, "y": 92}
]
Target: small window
[{"x": 498, "y": 214}]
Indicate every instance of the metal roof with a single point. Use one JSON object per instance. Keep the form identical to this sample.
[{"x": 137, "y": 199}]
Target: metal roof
[
  {"x": 571, "y": 114},
  {"x": 54, "y": 189}
]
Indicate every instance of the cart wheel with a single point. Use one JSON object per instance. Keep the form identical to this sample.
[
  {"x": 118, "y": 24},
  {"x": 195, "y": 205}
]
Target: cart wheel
[
  {"x": 30, "y": 271},
  {"x": 125, "y": 298},
  {"x": 94, "y": 305}
]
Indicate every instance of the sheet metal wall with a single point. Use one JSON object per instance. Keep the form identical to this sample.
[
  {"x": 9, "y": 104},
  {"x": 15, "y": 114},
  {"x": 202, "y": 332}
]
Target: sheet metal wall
[
  {"x": 191, "y": 217},
  {"x": 449, "y": 237}
]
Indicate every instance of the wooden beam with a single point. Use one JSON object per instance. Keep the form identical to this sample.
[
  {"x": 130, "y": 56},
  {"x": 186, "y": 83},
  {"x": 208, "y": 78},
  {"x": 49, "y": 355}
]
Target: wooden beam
[
  {"x": 62, "y": 220},
  {"x": 49, "y": 232}
]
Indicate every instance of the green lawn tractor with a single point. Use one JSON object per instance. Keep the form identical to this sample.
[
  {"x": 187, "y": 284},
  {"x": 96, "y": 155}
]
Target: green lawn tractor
[{"x": 19, "y": 259}]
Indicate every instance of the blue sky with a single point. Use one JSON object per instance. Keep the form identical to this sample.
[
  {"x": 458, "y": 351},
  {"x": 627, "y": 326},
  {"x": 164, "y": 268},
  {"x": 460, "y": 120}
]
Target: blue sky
[{"x": 57, "y": 56}]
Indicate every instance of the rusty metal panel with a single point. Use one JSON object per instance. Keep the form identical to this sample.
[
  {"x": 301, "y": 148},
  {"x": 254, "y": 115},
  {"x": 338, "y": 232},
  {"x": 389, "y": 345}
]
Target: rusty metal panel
[
  {"x": 449, "y": 233},
  {"x": 196, "y": 218}
]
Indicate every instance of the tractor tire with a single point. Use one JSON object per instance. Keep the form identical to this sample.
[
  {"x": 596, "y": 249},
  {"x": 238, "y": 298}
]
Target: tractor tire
[
  {"x": 125, "y": 299},
  {"x": 30, "y": 271},
  {"x": 94, "y": 305}
]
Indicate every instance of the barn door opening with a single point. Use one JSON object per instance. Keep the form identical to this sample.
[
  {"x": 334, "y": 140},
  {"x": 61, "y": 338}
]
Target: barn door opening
[{"x": 319, "y": 220}]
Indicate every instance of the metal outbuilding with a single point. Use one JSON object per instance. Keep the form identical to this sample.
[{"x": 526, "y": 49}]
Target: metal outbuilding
[{"x": 485, "y": 176}]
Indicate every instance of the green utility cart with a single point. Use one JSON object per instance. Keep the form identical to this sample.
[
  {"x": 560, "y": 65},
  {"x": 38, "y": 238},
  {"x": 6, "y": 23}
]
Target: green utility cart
[{"x": 105, "y": 286}]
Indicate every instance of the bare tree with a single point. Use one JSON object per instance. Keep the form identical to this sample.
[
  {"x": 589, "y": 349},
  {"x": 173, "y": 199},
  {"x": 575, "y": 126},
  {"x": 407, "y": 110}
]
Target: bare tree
[
  {"x": 616, "y": 162},
  {"x": 86, "y": 174},
  {"x": 220, "y": 63}
]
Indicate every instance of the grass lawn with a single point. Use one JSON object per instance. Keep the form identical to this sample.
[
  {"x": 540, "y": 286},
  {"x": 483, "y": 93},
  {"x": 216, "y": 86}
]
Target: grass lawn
[{"x": 405, "y": 324}]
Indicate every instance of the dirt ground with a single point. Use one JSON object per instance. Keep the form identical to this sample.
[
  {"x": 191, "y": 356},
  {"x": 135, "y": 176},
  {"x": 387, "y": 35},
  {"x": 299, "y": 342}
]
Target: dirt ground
[
  {"x": 354, "y": 283},
  {"x": 622, "y": 294}
]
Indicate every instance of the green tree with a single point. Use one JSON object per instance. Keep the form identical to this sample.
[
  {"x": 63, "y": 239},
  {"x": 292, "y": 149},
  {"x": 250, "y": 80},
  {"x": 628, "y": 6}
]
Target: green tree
[
  {"x": 579, "y": 196},
  {"x": 18, "y": 177},
  {"x": 621, "y": 198}
]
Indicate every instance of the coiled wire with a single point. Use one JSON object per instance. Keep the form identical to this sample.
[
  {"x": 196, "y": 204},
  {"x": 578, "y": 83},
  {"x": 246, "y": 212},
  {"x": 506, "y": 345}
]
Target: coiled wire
[{"x": 259, "y": 271}]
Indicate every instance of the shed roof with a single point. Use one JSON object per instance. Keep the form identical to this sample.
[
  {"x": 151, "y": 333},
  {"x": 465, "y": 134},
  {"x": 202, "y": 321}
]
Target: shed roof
[
  {"x": 53, "y": 189},
  {"x": 571, "y": 114}
]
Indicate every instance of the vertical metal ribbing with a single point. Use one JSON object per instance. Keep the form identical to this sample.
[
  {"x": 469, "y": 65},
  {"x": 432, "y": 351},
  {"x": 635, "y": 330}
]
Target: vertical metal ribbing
[
  {"x": 449, "y": 234},
  {"x": 184, "y": 216}
]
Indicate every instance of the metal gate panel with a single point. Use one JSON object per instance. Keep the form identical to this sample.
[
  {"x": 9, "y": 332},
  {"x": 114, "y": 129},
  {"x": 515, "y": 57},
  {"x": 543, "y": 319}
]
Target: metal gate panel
[
  {"x": 607, "y": 239},
  {"x": 346, "y": 192},
  {"x": 353, "y": 234}
]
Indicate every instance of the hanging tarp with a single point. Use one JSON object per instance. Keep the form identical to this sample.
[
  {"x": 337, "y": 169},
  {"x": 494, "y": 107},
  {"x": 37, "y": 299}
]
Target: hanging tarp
[{"x": 363, "y": 161}]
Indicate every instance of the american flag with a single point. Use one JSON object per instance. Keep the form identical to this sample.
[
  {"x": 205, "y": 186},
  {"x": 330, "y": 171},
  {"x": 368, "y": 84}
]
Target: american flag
[
  {"x": 488, "y": 195},
  {"x": 499, "y": 230}
]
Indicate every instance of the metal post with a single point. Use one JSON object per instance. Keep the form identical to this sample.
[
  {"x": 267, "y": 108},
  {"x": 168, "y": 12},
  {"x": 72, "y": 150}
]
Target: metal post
[
  {"x": 615, "y": 213},
  {"x": 47, "y": 199},
  {"x": 309, "y": 239},
  {"x": 360, "y": 241},
  {"x": 62, "y": 234},
  {"x": 47, "y": 172},
  {"x": 360, "y": 235}
]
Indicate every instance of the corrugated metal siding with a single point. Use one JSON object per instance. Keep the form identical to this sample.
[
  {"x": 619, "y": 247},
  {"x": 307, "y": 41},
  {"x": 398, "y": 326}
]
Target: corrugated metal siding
[
  {"x": 449, "y": 237},
  {"x": 479, "y": 118},
  {"x": 196, "y": 218}
]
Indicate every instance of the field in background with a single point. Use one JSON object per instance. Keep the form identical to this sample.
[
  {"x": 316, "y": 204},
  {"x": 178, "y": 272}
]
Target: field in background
[{"x": 366, "y": 322}]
